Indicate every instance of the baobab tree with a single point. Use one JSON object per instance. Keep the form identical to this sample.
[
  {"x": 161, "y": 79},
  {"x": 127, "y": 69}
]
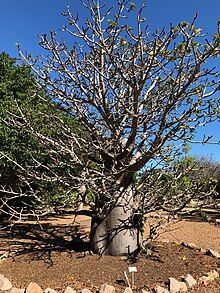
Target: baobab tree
[{"x": 139, "y": 96}]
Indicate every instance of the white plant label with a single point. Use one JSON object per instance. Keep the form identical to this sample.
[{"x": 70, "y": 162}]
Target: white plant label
[{"x": 132, "y": 269}]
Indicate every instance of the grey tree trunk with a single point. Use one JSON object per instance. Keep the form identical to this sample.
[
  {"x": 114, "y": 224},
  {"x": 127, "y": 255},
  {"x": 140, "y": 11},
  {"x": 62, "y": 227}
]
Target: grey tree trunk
[{"x": 116, "y": 234}]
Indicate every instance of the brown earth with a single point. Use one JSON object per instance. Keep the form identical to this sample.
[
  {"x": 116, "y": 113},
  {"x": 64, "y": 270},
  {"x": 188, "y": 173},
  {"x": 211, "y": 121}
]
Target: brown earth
[
  {"x": 45, "y": 254},
  {"x": 203, "y": 234}
]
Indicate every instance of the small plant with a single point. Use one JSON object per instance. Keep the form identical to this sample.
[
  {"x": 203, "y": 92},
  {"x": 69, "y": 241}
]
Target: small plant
[{"x": 148, "y": 251}]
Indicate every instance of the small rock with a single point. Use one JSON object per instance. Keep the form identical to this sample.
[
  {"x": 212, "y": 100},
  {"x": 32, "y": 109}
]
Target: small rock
[
  {"x": 204, "y": 280},
  {"x": 190, "y": 281},
  {"x": 107, "y": 289},
  {"x": 5, "y": 284},
  {"x": 184, "y": 244},
  {"x": 193, "y": 246},
  {"x": 159, "y": 289},
  {"x": 17, "y": 290},
  {"x": 69, "y": 290},
  {"x": 214, "y": 253},
  {"x": 1, "y": 280},
  {"x": 49, "y": 290},
  {"x": 144, "y": 291},
  {"x": 1, "y": 284},
  {"x": 128, "y": 290},
  {"x": 33, "y": 288},
  {"x": 85, "y": 290},
  {"x": 183, "y": 287},
  {"x": 174, "y": 285}
]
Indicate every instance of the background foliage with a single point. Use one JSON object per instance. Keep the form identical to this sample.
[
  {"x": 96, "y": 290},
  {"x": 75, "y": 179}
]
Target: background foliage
[{"x": 20, "y": 150}]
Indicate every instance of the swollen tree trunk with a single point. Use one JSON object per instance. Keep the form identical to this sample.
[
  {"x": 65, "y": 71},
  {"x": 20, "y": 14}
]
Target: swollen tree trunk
[{"x": 116, "y": 234}]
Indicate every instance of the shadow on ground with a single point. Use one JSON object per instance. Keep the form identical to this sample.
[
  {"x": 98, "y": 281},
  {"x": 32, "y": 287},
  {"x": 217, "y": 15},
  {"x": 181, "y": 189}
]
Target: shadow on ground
[{"x": 42, "y": 239}]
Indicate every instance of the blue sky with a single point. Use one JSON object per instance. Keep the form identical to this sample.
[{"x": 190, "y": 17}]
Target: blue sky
[{"x": 22, "y": 20}]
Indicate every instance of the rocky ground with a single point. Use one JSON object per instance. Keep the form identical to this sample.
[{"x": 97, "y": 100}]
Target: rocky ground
[{"x": 45, "y": 256}]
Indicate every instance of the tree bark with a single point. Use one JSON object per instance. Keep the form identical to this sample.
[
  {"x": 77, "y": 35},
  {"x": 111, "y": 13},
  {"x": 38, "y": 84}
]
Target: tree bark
[{"x": 116, "y": 234}]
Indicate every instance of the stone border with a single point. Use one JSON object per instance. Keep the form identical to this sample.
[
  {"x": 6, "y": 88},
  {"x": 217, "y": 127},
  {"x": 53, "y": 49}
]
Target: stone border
[
  {"x": 188, "y": 282},
  {"x": 174, "y": 286}
]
